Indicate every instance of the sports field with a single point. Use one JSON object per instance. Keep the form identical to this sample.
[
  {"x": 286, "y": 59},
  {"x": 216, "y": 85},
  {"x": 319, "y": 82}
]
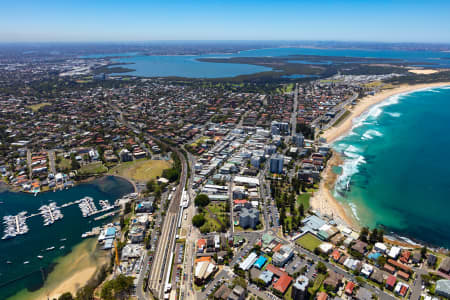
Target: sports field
[{"x": 309, "y": 242}]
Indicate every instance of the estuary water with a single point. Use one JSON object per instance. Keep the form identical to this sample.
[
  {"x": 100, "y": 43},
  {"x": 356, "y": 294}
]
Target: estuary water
[
  {"x": 16, "y": 276},
  {"x": 189, "y": 66},
  {"x": 396, "y": 162}
]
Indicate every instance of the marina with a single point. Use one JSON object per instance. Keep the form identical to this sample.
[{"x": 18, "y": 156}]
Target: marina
[
  {"x": 14, "y": 225},
  {"x": 87, "y": 207},
  {"x": 50, "y": 213}
]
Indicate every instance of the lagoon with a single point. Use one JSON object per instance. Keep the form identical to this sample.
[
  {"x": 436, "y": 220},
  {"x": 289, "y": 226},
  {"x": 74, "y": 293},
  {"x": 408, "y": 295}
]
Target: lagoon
[{"x": 189, "y": 66}]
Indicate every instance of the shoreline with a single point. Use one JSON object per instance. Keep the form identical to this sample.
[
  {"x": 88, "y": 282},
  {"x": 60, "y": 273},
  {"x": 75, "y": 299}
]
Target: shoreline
[
  {"x": 323, "y": 200},
  {"x": 10, "y": 188},
  {"x": 334, "y": 133},
  {"x": 71, "y": 272}
]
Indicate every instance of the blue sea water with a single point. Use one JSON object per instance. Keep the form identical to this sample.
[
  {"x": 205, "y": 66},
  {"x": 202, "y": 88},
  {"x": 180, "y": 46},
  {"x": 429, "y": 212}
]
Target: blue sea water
[
  {"x": 189, "y": 66},
  {"x": 396, "y": 162},
  {"x": 16, "y": 276}
]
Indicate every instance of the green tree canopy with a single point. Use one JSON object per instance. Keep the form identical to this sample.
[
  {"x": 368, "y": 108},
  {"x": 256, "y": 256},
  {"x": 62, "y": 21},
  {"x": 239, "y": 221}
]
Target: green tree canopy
[
  {"x": 66, "y": 296},
  {"x": 201, "y": 200},
  {"x": 198, "y": 220}
]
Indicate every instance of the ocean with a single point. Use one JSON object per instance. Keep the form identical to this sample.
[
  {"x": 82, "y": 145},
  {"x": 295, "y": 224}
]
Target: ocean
[
  {"x": 18, "y": 277},
  {"x": 395, "y": 169},
  {"x": 189, "y": 66}
]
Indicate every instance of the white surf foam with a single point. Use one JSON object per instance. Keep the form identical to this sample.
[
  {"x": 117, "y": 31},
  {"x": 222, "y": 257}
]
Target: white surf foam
[
  {"x": 353, "y": 159},
  {"x": 394, "y": 114},
  {"x": 354, "y": 210},
  {"x": 370, "y": 134}
]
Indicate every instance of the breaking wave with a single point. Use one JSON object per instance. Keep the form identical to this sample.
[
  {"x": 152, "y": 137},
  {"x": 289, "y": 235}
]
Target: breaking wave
[
  {"x": 394, "y": 114},
  {"x": 370, "y": 134}
]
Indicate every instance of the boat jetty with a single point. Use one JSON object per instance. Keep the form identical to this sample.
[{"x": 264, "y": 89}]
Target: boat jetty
[
  {"x": 87, "y": 206},
  {"x": 50, "y": 213},
  {"x": 14, "y": 225}
]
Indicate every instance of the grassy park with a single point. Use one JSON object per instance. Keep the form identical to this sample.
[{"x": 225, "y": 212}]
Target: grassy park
[
  {"x": 141, "y": 170},
  {"x": 304, "y": 199},
  {"x": 93, "y": 168},
  {"x": 36, "y": 107},
  {"x": 309, "y": 242}
]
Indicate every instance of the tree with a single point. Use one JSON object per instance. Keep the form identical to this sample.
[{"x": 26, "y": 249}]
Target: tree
[
  {"x": 151, "y": 185},
  {"x": 301, "y": 210},
  {"x": 381, "y": 261},
  {"x": 423, "y": 251},
  {"x": 364, "y": 233},
  {"x": 321, "y": 268},
  {"x": 380, "y": 235},
  {"x": 373, "y": 236},
  {"x": 426, "y": 279},
  {"x": 201, "y": 200},
  {"x": 118, "y": 288},
  {"x": 66, "y": 296},
  {"x": 198, "y": 220}
]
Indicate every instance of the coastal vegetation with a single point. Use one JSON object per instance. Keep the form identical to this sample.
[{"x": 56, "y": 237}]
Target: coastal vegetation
[
  {"x": 117, "y": 288},
  {"x": 442, "y": 76}
]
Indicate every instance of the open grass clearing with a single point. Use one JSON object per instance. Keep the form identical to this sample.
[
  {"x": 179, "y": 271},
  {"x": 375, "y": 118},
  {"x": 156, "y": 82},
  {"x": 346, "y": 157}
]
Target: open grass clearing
[
  {"x": 93, "y": 168},
  {"x": 65, "y": 164},
  {"x": 36, "y": 107},
  {"x": 141, "y": 170},
  {"x": 304, "y": 199},
  {"x": 309, "y": 242}
]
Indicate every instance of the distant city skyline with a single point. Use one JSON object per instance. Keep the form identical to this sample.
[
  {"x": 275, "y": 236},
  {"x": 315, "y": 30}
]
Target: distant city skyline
[{"x": 140, "y": 20}]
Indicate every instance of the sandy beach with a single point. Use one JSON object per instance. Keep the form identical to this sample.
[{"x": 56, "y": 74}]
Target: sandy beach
[
  {"x": 323, "y": 200},
  {"x": 423, "y": 71},
  {"x": 365, "y": 103},
  {"x": 71, "y": 272}
]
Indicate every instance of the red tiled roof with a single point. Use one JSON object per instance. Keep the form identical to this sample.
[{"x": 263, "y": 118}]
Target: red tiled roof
[
  {"x": 390, "y": 281},
  {"x": 277, "y": 247},
  {"x": 403, "y": 290},
  {"x": 240, "y": 201},
  {"x": 283, "y": 283},
  {"x": 201, "y": 242},
  {"x": 399, "y": 265},
  {"x": 277, "y": 271},
  {"x": 349, "y": 288},
  {"x": 403, "y": 275},
  {"x": 336, "y": 254},
  {"x": 322, "y": 296}
]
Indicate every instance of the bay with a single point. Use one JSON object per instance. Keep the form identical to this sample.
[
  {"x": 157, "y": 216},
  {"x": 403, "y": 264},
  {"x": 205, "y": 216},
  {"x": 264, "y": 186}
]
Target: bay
[{"x": 17, "y": 276}]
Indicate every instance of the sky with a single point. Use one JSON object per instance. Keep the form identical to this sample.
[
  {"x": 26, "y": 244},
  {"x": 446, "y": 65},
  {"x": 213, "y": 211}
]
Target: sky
[{"x": 146, "y": 20}]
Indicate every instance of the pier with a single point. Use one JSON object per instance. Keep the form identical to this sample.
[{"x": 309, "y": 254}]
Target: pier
[
  {"x": 50, "y": 213},
  {"x": 16, "y": 224}
]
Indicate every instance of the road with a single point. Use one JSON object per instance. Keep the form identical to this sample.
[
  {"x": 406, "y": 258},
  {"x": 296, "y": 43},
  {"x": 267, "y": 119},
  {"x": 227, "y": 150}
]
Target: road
[
  {"x": 294, "y": 111},
  {"x": 416, "y": 289},
  {"x": 340, "y": 109},
  {"x": 30, "y": 169},
  {"x": 51, "y": 160}
]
